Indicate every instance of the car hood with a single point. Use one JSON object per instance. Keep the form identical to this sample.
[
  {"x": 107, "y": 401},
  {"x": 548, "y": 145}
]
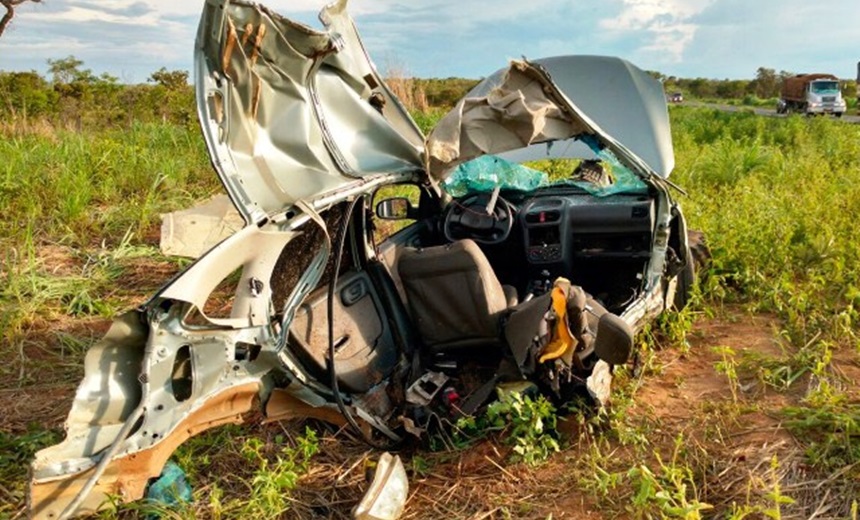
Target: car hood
[
  {"x": 549, "y": 100},
  {"x": 290, "y": 113}
]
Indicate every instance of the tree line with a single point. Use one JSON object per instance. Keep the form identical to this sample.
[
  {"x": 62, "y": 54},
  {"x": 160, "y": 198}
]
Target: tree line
[
  {"x": 73, "y": 96},
  {"x": 765, "y": 85}
]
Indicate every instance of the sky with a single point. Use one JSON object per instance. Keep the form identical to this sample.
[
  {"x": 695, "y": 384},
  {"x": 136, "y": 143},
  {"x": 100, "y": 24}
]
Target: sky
[{"x": 130, "y": 39}]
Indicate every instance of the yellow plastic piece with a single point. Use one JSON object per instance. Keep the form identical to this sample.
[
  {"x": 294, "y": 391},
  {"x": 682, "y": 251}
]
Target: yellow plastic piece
[{"x": 562, "y": 340}]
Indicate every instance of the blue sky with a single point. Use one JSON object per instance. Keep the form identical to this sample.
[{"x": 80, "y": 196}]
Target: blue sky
[{"x": 439, "y": 38}]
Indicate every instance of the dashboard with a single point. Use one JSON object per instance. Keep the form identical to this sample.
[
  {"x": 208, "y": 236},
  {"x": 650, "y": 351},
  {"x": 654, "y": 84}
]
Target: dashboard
[
  {"x": 559, "y": 228},
  {"x": 601, "y": 243}
]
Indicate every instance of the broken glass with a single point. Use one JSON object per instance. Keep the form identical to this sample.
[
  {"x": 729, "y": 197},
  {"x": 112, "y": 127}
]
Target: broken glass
[{"x": 486, "y": 173}]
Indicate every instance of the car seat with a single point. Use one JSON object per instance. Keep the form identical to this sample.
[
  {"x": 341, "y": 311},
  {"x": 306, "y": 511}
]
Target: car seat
[{"x": 453, "y": 295}]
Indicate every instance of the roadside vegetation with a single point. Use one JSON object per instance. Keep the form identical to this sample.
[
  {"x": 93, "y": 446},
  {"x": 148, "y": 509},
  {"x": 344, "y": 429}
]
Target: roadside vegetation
[
  {"x": 761, "y": 91},
  {"x": 744, "y": 405}
]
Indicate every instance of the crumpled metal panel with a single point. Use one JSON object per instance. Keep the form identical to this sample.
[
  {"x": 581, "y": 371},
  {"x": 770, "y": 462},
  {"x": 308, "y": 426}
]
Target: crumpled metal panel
[
  {"x": 607, "y": 97},
  {"x": 286, "y": 110},
  {"x": 518, "y": 111},
  {"x": 104, "y": 400},
  {"x": 165, "y": 376},
  {"x": 624, "y": 102}
]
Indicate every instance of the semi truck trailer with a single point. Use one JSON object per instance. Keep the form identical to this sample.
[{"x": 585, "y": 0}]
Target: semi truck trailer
[{"x": 811, "y": 94}]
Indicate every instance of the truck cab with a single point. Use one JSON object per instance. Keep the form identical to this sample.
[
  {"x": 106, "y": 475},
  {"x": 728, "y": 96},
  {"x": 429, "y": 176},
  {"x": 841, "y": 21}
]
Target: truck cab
[
  {"x": 812, "y": 94},
  {"x": 823, "y": 96}
]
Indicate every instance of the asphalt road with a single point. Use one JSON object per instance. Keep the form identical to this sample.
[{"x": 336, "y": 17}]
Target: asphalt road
[{"x": 769, "y": 112}]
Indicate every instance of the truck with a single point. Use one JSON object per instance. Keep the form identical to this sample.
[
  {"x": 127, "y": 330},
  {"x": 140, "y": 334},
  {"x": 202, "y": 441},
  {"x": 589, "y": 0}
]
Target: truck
[{"x": 811, "y": 94}]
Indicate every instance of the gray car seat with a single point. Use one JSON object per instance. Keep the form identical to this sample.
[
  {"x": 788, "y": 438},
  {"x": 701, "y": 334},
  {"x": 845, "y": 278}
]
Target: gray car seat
[{"x": 453, "y": 295}]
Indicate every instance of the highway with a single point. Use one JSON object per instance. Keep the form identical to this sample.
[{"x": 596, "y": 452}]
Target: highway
[{"x": 769, "y": 112}]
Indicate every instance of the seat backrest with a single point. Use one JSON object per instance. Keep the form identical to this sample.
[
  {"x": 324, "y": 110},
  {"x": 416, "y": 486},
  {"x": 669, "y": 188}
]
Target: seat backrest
[{"x": 453, "y": 293}]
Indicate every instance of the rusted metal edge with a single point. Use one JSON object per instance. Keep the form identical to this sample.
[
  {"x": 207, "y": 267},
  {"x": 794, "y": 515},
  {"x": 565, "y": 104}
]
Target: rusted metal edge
[{"x": 126, "y": 477}]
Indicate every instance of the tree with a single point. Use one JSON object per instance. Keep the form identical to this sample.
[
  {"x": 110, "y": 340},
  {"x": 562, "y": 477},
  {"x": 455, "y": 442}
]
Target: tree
[
  {"x": 702, "y": 88},
  {"x": 25, "y": 94},
  {"x": 65, "y": 71},
  {"x": 10, "y": 6},
  {"x": 766, "y": 83},
  {"x": 170, "y": 79},
  {"x": 731, "y": 88}
]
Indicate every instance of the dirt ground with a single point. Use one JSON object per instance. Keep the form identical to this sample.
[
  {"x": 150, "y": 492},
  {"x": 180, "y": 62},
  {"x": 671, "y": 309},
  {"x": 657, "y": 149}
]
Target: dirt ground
[{"x": 729, "y": 439}]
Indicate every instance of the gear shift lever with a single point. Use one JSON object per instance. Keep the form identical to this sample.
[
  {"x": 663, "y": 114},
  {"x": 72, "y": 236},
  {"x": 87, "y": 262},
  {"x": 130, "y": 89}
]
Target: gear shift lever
[{"x": 546, "y": 284}]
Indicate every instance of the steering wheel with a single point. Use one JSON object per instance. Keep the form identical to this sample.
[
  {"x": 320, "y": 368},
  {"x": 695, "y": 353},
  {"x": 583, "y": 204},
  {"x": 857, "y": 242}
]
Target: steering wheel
[{"x": 476, "y": 217}]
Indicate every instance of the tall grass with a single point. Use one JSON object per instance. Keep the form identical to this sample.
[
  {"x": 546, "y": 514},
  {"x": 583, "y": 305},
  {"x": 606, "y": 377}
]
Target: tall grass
[
  {"x": 96, "y": 194},
  {"x": 75, "y": 188},
  {"x": 779, "y": 200}
]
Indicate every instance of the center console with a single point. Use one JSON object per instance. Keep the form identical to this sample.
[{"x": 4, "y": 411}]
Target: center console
[
  {"x": 544, "y": 231},
  {"x": 585, "y": 238}
]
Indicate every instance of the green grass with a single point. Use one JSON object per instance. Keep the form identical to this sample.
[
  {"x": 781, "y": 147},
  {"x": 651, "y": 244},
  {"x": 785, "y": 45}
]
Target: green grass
[
  {"x": 97, "y": 195},
  {"x": 72, "y": 188},
  {"x": 778, "y": 199}
]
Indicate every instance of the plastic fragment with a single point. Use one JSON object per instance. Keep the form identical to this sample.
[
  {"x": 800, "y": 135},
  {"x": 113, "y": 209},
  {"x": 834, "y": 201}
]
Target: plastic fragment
[
  {"x": 171, "y": 487},
  {"x": 386, "y": 498}
]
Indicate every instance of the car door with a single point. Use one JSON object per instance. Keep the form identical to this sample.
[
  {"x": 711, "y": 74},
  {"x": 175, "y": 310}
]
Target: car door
[{"x": 365, "y": 351}]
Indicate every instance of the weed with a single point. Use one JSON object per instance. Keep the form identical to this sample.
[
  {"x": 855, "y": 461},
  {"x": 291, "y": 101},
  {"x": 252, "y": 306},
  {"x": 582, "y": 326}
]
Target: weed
[
  {"x": 420, "y": 466},
  {"x": 778, "y": 373},
  {"x": 597, "y": 478},
  {"x": 728, "y": 366},
  {"x": 671, "y": 492},
  {"x": 529, "y": 425},
  {"x": 273, "y": 479},
  {"x": 831, "y": 430},
  {"x": 775, "y": 495}
]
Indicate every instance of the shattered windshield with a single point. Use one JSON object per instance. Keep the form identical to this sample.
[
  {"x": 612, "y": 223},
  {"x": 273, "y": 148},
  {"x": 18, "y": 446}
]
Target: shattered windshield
[{"x": 600, "y": 175}]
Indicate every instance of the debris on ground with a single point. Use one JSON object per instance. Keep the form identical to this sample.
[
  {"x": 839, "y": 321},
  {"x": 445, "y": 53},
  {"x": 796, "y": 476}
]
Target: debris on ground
[
  {"x": 386, "y": 498},
  {"x": 193, "y": 231}
]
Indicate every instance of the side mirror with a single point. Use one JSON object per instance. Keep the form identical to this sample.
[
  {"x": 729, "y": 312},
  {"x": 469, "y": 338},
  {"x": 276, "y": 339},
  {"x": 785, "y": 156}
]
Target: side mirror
[{"x": 396, "y": 208}]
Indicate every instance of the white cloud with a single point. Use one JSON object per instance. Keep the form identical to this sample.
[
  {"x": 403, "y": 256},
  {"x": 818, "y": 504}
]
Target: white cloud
[
  {"x": 736, "y": 37},
  {"x": 671, "y": 38},
  {"x": 725, "y": 38},
  {"x": 76, "y": 14},
  {"x": 667, "y": 23}
]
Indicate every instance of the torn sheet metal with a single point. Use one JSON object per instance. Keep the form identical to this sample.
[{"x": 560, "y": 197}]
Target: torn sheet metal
[
  {"x": 519, "y": 111},
  {"x": 193, "y": 231},
  {"x": 285, "y": 109},
  {"x": 128, "y": 474},
  {"x": 557, "y": 100}
]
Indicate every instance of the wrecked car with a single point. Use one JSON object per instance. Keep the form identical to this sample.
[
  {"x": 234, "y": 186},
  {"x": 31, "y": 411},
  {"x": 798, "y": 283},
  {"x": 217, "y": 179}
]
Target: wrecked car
[{"x": 534, "y": 233}]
